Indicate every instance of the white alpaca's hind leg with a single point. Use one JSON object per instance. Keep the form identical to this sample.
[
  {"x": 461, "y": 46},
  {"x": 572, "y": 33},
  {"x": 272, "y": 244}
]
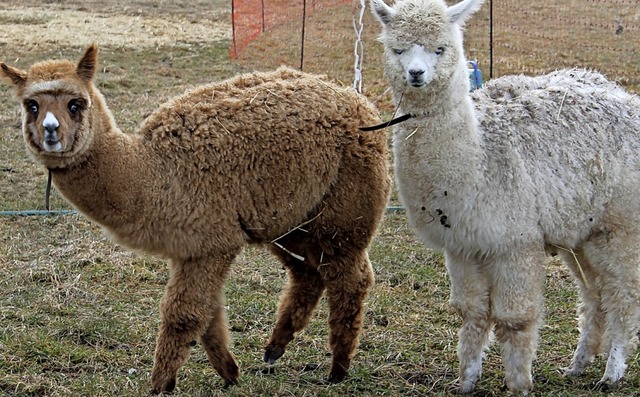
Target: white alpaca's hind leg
[
  {"x": 470, "y": 298},
  {"x": 591, "y": 317},
  {"x": 616, "y": 365},
  {"x": 516, "y": 306},
  {"x": 621, "y": 335},
  {"x": 617, "y": 258}
]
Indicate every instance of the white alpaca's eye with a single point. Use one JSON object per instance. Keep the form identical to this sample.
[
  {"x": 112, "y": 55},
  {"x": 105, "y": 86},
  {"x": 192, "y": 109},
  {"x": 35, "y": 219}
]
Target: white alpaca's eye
[
  {"x": 398, "y": 51},
  {"x": 439, "y": 50}
]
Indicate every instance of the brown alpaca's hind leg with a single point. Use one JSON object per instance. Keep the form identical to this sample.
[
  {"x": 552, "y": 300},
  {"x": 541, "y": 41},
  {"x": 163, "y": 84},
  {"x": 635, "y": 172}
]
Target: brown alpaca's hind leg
[
  {"x": 187, "y": 311},
  {"x": 347, "y": 281},
  {"x": 216, "y": 341},
  {"x": 303, "y": 292}
]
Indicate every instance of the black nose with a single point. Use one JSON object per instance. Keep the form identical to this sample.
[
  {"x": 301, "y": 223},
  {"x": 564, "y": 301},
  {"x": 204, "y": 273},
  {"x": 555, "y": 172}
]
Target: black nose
[
  {"x": 50, "y": 135},
  {"x": 50, "y": 128},
  {"x": 416, "y": 72}
]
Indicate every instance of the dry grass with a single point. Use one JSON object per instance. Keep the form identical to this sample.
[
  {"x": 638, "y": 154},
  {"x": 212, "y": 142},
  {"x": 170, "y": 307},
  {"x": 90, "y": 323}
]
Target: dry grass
[
  {"x": 528, "y": 38},
  {"x": 79, "y": 314}
]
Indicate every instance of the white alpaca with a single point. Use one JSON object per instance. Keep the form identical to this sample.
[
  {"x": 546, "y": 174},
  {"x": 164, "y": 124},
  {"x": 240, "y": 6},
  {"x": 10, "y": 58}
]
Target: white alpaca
[{"x": 502, "y": 176}]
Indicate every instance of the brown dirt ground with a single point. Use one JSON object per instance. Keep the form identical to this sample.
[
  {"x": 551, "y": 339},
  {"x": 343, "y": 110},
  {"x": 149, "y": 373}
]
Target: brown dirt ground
[{"x": 117, "y": 23}]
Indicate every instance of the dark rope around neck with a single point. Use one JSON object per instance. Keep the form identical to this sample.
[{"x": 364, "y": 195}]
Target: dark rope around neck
[
  {"x": 47, "y": 194},
  {"x": 394, "y": 120},
  {"x": 389, "y": 123}
]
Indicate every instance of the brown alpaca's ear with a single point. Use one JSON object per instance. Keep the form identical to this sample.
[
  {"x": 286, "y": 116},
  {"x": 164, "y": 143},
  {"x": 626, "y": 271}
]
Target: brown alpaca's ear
[
  {"x": 87, "y": 66},
  {"x": 16, "y": 76}
]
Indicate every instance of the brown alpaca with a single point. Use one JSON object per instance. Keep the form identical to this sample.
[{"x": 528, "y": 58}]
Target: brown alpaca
[{"x": 264, "y": 158}]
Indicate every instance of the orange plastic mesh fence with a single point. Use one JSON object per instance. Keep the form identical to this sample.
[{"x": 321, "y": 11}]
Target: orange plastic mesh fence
[{"x": 254, "y": 17}]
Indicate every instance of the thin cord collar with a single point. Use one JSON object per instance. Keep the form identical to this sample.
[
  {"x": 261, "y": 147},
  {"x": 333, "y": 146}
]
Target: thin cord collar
[
  {"x": 389, "y": 123},
  {"x": 393, "y": 121}
]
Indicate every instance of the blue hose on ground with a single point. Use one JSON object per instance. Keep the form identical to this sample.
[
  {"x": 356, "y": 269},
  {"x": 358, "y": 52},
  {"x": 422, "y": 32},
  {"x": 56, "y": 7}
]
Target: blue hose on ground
[{"x": 72, "y": 212}]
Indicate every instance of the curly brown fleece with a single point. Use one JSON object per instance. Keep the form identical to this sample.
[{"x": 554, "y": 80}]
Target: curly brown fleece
[{"x": 268, "y": 158}]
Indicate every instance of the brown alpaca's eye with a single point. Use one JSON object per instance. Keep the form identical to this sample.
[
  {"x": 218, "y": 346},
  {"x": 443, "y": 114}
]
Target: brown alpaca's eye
[
  {"x": 32, "y": 106},
  {"x": 74, "y": 107}
]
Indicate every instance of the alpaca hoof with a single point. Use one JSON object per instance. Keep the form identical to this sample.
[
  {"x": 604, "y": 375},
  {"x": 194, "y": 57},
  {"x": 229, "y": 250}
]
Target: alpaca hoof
[
  {"x": 606, "y": 385},
  {"x": 229, "y": 383},
  {"x": 166, "y": 386},
  {"x": 230, "y": 374},
  {"x": 573, "y": 371},
  {"x": 272, "y": 353},
  {"x": 337, "y": 376},
  {"x": 466, "y": 387}
]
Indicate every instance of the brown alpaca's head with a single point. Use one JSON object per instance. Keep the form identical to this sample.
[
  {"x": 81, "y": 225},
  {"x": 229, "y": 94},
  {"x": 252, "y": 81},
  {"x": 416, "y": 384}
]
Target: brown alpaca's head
[{"x": 56, "y": 98}]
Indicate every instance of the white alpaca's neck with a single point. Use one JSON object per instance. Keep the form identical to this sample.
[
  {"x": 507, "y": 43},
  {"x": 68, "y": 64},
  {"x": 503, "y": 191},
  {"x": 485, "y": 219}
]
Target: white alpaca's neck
[
  {"x": 438, "y": 158},
  {"x": 443, "y": 114}
]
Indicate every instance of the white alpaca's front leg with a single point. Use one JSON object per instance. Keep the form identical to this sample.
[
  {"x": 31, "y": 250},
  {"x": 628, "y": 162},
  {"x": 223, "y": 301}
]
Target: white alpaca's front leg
[
  {"x": 516, "y": 306},
  {"x": 474, "y": 336},
  {"x": 470, "y": 298}
]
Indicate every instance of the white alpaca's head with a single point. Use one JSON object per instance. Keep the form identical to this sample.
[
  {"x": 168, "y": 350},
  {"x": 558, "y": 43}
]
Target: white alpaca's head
[
  {"x": 422, "y": 40},
  {"x": 56, "y": 97}
]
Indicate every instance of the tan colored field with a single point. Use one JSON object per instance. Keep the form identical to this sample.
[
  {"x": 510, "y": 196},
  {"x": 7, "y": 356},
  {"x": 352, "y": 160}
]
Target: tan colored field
[{"x": 528, "y": 37}]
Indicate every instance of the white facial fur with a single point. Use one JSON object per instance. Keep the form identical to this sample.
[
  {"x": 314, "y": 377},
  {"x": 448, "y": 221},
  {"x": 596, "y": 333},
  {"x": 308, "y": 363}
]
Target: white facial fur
[
  {"x": 419, "y": 64},
  {"x": 51, "y": 142},
  {"x": 50, "y": 121},
  {"x": 420, "y": 39}
]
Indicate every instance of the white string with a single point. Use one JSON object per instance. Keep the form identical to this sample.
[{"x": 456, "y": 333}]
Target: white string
[{"x": 358, "y": 48}]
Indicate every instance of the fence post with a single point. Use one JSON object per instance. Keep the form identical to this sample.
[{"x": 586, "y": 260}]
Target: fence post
[
  {"x": 490, "y": 39},
  {"x": 304, "y": 18}
]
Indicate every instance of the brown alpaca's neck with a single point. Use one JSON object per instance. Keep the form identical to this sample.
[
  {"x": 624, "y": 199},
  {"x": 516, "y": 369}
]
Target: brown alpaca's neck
[{"x": 103, "y": 184}]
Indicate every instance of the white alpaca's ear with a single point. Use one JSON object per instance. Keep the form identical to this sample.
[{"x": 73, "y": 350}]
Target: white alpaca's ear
[
  {"x": 460, "y": 12},
  {"x": 382, "y": 11},
  {"x": 16, "y": 76},
  {"x": 87, "y": 66}
]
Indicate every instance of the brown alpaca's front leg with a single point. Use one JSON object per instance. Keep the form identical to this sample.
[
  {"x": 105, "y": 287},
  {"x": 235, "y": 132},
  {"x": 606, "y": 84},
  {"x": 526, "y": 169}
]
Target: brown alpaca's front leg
[
  {"x": 187, "y": 311},
  {"x": 216, "y": 341},
  {"x": 303, "y": 292},
  {"x": 347, "y": 284}
]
